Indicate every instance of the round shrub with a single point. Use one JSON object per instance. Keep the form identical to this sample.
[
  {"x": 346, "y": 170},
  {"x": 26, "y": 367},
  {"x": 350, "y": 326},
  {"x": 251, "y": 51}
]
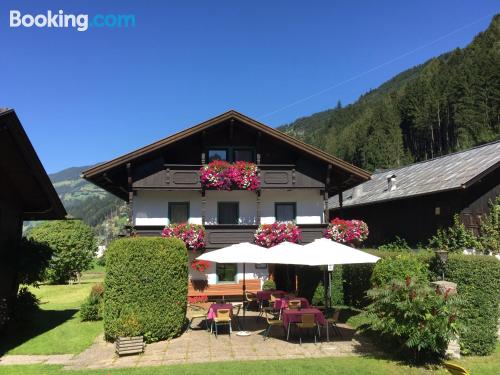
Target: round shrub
[
  {"x": 73, "y": 244},
  {"x": 145, "y": 288},
  {"x": 91, "y": 308},
  {"x": 269, "y": 285},
  {"x": 398, "y": 267}
]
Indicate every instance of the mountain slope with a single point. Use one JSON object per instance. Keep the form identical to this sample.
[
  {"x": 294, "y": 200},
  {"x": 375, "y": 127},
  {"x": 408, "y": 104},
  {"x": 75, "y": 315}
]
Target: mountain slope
[
  {"x": 447, "y": 104},
  {"x": 82, "y": 199}
]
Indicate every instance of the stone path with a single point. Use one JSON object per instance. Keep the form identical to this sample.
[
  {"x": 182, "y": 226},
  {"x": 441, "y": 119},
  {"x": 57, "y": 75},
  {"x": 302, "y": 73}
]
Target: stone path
[{"x": 201, "y": 346}]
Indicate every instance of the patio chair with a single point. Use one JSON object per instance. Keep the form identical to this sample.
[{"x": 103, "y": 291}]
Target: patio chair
[
  {"x": 308, "y": 322},
  {"x": 455, "y": 369},
  {"x": 332, "y": 321},
  {"x": 272, "y": 322},
  {"x": 294, "y": 304},
  {"x": 249, "y": 299},
  {"x": 222, "y": 318},
  {"x": 270, "y": 308},
  {"x": 197, "y": 312}
]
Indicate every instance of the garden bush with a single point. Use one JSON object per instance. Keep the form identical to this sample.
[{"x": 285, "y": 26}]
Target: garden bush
[
  {"x": 478, "y": 284},
  {"x": 91, "y": 309},
  {"x": 25, "y": 304},
  {"x": 455, "y": 238},
  {"x": 399, "y": 244},
  {"x": 73, "y": 244},
  {"x": 145, "y": 288},
  {"x": 398, "y": 267},
  {"x": 409, "y": 315},
  {"x": 269, "y": 285},
  {"x": 490, "y": 229}
]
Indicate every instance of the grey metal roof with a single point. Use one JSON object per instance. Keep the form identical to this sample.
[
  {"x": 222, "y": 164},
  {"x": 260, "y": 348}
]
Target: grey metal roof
[{"x": 447, "y": 172}]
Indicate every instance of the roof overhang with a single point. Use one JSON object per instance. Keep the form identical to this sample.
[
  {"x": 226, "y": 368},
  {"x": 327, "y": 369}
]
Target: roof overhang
[
  {"x": 359, "y": 174},
  {"x": 23, "y": 176}
]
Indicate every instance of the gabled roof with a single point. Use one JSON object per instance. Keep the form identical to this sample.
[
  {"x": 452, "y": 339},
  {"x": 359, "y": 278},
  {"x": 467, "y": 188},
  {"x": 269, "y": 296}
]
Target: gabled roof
[
  {"x": 313, "y": 151},
  {"x": 449, "y": 172},
  {"x": 23, "y": 175}
]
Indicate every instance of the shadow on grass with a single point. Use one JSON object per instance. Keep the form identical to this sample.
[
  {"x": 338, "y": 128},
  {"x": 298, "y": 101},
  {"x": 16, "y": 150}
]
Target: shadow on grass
[{"x": 19, "y": 331}]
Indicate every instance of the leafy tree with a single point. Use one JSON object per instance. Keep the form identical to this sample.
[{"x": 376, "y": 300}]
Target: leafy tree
[{"x": 73, "y": 244}]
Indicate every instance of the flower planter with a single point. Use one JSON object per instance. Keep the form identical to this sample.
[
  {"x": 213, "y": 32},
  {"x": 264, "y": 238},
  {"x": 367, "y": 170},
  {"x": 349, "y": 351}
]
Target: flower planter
[{"x": 129, "y": 345}]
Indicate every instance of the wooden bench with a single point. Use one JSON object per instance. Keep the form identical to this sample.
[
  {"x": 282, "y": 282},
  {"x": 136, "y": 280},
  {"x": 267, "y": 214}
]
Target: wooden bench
[{"x": 201, "y": 288}]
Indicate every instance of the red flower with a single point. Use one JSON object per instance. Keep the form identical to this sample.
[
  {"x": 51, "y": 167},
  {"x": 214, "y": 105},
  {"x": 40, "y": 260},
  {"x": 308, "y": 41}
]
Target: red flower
[
  {"x": 269, "y": 235},
  {"x": 200, "y": 265}
]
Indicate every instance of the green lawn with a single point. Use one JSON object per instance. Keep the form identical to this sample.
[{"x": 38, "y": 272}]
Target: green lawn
[
  {"x": 56, "y": 328},
  {"x": 344, "y": 366}
]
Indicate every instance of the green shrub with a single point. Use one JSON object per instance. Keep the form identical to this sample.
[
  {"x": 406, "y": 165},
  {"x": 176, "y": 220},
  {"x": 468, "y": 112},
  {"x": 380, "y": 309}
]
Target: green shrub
[
  {"x": 456, "y": 238},
  {"x": 33, "y": 258},
  {"x": 399, "y": 244},
  {"x": 398, "y": 267},
  {"x": 91, "y": 309},
  {"x": 73, "y": 244},
  {"x": 145, "y": 288},
  {"x": 269, "y": 285},
  {"x": 356, "y": 283},
  {"x": 25, "y": 304},
  {"x": 478, "y": 283},
  {"x": 408, "y": 314},
  {"x": 337, "y": 292},
  {"x": 490, "y": 229}
]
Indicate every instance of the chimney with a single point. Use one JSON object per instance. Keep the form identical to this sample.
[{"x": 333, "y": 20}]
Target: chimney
[
  {"x": 356, "y": 191},
  {"x": 391, "y": 182}
]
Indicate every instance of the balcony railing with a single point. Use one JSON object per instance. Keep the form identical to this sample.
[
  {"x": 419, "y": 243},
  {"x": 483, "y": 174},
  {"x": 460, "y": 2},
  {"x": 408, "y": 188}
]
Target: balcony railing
[
  {"x": 187, "y": 176},
  {"x": 218, "y": 236}
]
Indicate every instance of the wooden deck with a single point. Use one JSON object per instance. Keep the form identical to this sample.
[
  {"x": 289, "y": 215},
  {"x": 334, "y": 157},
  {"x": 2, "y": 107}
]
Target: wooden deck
[{"x": 201, "y": 288}]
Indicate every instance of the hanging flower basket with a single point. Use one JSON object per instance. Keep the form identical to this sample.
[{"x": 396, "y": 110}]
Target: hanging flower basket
[
  {"x": 215, "y": 175},
  {"x": 221, "y": 175},
  {"x": 269, "y": 235},
  {"x": 200, "y": 265},
  {"x": 347, "y": 231},
  {"x": 244, "y": 176},
  {"x": 192, "y": 235}
]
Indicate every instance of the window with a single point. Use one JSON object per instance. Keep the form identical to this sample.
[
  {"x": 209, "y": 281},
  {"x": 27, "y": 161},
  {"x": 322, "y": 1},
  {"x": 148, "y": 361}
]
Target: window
[
  {"x": 178, "y": 212},
  {"x": 285, "y": 211},
  {"x": 217, "y": 154},
  {"x": 243, "y": 154},
  {"x": 226, "y": 272},
  {"x": 228, "y": 212}
]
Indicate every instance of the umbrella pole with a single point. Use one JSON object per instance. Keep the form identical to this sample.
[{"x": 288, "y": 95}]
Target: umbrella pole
[{"x": 244, "y": 289}]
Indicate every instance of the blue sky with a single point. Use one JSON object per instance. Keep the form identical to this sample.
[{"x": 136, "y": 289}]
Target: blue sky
[{"x": 86, "y": 97}]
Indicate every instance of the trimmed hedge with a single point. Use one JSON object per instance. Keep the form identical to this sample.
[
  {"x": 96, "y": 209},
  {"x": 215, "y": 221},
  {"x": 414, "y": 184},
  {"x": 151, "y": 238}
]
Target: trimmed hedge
[
  {"x": 146, "y": 288},
  {"x": 399, "y": 266},
  {"x": 478, "y": 284}
]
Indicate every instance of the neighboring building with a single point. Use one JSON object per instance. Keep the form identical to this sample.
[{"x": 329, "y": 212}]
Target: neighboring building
[
  {"x": 26, "y": 193},
  {"x": 412, "y": 202},
  {"x": 161, "y": 183}
]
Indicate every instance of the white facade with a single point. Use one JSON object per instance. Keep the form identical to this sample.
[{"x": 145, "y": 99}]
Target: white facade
[{"x": 150, "y": 207}]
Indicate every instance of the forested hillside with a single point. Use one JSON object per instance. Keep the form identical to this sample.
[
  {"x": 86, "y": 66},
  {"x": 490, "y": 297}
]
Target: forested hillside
[
  {"x": 83, "y": 200},
  {"x": 450, "y": 103}
]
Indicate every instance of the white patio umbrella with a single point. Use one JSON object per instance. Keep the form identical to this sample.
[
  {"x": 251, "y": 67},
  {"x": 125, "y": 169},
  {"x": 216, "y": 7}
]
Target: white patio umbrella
[
  {"x": 326, "y": 252},
  {"x": 244, "y": 252}
]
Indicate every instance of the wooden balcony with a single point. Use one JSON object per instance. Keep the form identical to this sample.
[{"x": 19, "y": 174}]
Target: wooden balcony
[
  {"x": 187, "y": 177},
  {"x": 218, "y": 236}
]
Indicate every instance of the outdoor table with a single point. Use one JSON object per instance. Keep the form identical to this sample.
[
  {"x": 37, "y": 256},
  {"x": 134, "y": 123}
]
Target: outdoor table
[
  {"x": 294, "y": 316},
  {"x": 212, "y": 311},
  {"x": 265, "y": 295},
  {"x": 282, "y": 303}
]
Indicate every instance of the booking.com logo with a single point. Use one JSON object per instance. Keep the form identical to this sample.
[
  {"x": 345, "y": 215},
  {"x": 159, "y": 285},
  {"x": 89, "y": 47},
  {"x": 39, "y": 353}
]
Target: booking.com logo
[{"x": 80, "y": 22}]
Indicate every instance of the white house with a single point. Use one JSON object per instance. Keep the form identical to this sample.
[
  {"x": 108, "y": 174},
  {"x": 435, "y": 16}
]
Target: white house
[{"x": 161, "y": 182}]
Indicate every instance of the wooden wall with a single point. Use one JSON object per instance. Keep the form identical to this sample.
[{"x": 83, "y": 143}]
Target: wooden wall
[{"x": 415, "y": 219}]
